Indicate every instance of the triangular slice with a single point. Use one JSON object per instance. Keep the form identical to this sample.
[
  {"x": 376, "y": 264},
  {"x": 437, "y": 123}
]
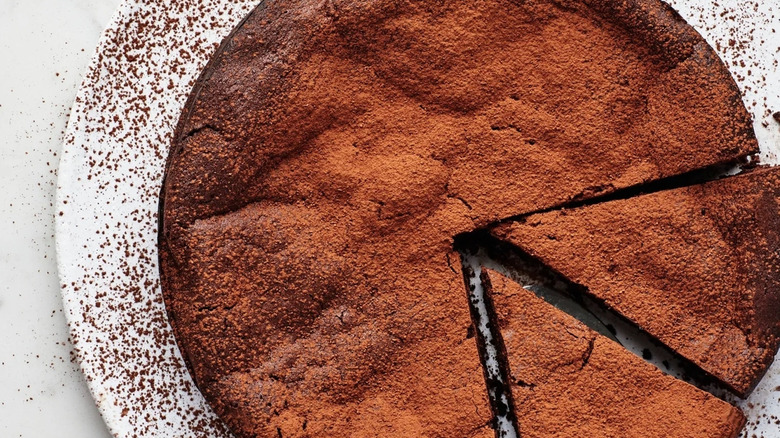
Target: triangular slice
[
  {"x": 696, "y": 267},
  {"x": 568, "y": 381}
]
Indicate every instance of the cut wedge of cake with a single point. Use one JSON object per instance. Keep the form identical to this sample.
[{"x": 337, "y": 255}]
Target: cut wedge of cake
[
  {"x": 568, "y": 381},
  {"x": 696, "y": 267}
]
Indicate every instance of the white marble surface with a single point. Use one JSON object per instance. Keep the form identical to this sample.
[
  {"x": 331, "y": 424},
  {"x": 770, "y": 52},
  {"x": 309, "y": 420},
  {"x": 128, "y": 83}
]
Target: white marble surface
[{"x": 45, "y": 46}]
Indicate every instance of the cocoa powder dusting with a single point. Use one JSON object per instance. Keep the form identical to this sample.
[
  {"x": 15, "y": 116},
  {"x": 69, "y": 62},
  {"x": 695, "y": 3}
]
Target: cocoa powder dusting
[{"x": 332, "y": 150}]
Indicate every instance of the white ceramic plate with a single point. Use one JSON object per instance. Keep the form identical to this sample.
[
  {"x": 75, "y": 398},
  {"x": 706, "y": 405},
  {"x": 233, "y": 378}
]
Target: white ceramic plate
[{"x": 112, "y": 166}]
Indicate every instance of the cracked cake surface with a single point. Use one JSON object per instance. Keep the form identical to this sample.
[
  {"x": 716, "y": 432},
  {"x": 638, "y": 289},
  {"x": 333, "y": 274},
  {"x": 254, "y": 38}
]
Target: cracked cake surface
[{"x": 331, "y": 151}]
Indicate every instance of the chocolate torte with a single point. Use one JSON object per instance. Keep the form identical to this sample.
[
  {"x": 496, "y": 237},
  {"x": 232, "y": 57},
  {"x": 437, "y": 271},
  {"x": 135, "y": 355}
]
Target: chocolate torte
[
  {"x": 332, "y": 150},
  {"x": 566, "y": 380},
  {"x": 697, "y": 267}
]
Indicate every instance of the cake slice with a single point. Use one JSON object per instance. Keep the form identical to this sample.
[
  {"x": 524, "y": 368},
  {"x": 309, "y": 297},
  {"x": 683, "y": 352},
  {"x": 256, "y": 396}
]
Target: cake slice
[
  {"x": 696, "y": 267},
  {"x": 568, "y": 381}
]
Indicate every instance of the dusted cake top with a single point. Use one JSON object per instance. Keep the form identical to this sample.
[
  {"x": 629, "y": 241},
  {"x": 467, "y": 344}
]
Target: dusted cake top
[{"x": 332, "y": 150}]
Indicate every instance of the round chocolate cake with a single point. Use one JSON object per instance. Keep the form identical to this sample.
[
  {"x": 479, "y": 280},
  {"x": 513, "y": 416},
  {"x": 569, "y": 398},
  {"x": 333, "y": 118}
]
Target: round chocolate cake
[{"x": 332, "y": 152}]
